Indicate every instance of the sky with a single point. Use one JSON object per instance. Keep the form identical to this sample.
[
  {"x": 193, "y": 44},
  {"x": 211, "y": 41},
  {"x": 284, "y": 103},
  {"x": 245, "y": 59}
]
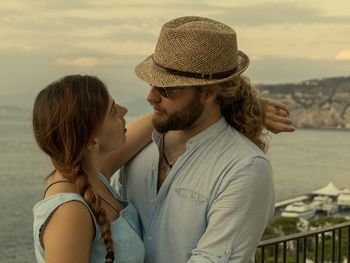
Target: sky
[{"x": 43, "y": 40}]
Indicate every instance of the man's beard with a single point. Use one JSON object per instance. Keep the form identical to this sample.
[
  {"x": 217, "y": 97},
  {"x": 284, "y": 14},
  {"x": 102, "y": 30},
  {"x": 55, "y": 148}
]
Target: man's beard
[{"x": 181, "y": 119}]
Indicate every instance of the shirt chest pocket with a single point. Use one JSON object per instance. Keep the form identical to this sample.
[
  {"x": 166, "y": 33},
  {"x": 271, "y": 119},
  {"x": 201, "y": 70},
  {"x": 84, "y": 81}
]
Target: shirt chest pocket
[
  {"x": 187, "y": 212},
  {"x": 190, "y": 195}
]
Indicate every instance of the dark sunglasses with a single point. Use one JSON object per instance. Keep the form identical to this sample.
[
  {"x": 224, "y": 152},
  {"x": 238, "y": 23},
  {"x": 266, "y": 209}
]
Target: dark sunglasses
[{"x": 165, "y": 92}]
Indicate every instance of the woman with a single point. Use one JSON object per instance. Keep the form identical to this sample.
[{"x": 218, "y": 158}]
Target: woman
[
  {"x": 77, "y": 123},
  {"x": 80, "y": 127}
]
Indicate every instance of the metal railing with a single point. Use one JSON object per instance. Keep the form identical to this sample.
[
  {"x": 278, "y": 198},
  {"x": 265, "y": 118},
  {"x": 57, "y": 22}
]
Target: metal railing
[{"x": 329, "y": 244}]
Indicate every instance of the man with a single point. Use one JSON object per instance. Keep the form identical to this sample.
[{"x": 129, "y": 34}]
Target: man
[{"x": 203, "y": 188}]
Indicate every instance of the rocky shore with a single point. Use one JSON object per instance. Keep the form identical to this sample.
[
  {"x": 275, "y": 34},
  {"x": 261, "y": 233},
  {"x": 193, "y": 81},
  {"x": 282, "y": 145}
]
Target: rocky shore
[{"x": 316, "y": 103}]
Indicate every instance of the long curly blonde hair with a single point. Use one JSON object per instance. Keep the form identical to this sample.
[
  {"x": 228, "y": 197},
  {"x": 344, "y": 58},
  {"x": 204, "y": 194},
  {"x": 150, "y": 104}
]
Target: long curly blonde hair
[{"x": 242, "y": 109}]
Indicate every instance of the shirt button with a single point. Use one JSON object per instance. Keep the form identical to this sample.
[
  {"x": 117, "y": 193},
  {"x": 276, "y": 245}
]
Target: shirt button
[
  {"x": 228, "y": 252},
  {"x": 149, "y": 238},
  {"x": 126, "y": 216},
  {"x": 152, "y": 201}
]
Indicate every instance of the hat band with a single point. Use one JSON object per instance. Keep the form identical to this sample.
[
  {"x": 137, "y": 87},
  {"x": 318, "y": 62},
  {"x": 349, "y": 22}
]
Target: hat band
[{"x": 217, "y": 75}]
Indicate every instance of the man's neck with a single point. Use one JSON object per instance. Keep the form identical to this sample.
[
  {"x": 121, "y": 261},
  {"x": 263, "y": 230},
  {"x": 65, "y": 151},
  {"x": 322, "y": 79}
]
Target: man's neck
[
  {"x": 203, "y": 123},
  {"x": 174, "y": 143}
]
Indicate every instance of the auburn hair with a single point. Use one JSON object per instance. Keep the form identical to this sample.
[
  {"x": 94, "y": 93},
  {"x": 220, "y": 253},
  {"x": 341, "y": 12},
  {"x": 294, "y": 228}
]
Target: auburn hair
[{"x": 66, "y": 116}]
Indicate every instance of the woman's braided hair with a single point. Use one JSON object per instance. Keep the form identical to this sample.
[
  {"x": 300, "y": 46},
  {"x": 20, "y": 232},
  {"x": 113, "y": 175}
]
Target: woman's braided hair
[{"x": 66, "y": 115}]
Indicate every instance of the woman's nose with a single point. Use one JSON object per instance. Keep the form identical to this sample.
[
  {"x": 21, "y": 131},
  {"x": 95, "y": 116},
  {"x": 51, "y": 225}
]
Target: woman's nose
[{"x": 124, "y": 110}]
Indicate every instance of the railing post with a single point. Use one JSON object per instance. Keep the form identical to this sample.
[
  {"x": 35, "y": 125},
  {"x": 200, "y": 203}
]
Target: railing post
[
  {"x": 276, "y": 253},
  {"x": 333, "y": 246},
  {"x": 301, "y": 239},
  {"x": 297, "y": 250},
  {"x": 339, "y": 246},
  {"x": 348, "y": 245},
  {"x": 322, "y": 247},
  {"x": 262, "y": 255},
  {"x": 304, "y": 249},
  {"x": 316, "y": 248}
]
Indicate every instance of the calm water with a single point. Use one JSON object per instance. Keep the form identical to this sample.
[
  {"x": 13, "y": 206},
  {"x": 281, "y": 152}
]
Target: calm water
[{"x": 302, "y": 161}]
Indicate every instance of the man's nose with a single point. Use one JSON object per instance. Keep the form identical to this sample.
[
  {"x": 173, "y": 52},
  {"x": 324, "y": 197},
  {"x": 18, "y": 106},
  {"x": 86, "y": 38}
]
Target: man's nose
[{"x": 153, "y": 96}]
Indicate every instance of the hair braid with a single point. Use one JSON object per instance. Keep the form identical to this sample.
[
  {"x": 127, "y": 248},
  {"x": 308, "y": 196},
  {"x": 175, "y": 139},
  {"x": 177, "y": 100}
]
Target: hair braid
[{"x": 94, "y": 202}]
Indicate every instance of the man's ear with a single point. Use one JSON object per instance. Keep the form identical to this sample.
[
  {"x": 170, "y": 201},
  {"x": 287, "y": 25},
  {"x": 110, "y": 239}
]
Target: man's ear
[
  {"x": 209, "y": 95},
  {"x": 94, "y": 144}
]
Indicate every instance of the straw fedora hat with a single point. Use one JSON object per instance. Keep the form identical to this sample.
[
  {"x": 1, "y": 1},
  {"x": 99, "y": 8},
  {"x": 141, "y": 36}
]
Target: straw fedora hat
[{"x": 193, "y": 51}]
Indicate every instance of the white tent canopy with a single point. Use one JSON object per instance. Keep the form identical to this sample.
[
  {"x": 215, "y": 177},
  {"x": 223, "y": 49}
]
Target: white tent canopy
[
  {"x": 346, "y": 190},
  {"x": 329, "y": 190}
]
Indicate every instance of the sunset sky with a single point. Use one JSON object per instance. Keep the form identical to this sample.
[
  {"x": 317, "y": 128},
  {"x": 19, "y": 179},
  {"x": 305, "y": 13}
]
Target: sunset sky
[{"x": 42, "y": 40}]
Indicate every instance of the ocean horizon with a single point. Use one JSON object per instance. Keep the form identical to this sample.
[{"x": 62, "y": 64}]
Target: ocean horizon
[{"x": 302, "y": 161}]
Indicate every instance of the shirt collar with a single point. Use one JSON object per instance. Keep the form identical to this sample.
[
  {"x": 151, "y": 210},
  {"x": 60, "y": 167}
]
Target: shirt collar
[{"x": 210, "y": 132}]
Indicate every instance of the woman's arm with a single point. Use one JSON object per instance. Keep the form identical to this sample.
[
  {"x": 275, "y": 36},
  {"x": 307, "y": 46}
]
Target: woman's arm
[
  {"x": 139, "y": 134},
  {"x": 68, "y": 234},
  {"x": 276, "y": 116},
  {"x": 137, "y": 137}
]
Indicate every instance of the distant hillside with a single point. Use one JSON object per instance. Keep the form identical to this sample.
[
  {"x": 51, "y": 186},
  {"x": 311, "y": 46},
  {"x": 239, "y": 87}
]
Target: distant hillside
[
  {"x": 14, "y": 113},
  {"x": 316, "y": 103}
]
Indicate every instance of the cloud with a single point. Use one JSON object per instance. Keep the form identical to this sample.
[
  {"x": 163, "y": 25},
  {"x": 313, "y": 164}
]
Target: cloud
[
  {"x": 98, "y": 61},
  {"x": 315, "y": 58},
  {"x": 253, "y": 57},
  {"x": 273, "y": 69},
  {"x": 343, "y": 55},
  {"x": 110, "y": 29},
  {"x": 85, "y": 62},
  {"x": 42, "y": 40},
  {"x": 132, "y": 28},
  {"x": 277, "y": 13},
  {"x": 126, "y": 48}
]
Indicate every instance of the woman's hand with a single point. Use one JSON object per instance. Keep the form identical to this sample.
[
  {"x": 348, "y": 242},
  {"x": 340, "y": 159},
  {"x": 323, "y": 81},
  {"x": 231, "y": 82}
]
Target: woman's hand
[{"x": 276, "y": 116}]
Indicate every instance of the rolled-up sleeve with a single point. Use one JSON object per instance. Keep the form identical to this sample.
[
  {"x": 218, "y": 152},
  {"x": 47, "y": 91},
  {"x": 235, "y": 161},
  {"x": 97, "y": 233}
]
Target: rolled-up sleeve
[
  {"x": 238, "y": 215},
  {"x": 118, "y": 183}
]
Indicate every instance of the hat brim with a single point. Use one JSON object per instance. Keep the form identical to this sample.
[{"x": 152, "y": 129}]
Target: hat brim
[{"x": 156, "y": 77}]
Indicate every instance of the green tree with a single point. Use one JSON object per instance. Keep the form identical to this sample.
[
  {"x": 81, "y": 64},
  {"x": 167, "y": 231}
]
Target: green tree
[
  {"x": 328, "y": 221},
  {"x": 281, "y": 226}
]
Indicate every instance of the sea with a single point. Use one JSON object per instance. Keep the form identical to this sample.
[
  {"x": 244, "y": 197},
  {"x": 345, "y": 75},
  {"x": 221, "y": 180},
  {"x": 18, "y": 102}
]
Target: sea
[{"x": 302, "y": 161}]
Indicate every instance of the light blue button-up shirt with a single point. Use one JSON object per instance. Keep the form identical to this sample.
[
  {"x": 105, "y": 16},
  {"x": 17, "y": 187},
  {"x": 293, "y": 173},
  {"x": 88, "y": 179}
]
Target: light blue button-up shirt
[{"x": 212, "y": 207}]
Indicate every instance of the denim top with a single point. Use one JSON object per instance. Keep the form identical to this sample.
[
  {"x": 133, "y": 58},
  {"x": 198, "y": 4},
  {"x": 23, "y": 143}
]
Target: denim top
[{"x": 126, "y": 231}]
